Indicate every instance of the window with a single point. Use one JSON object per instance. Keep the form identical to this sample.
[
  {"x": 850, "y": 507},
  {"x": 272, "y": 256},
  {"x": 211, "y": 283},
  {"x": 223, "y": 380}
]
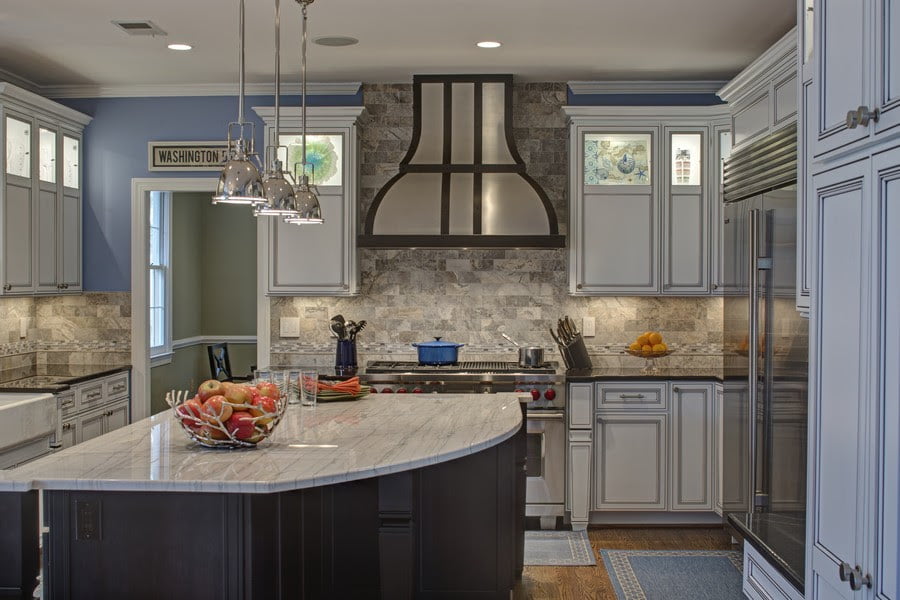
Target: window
[{"x": 160, "y": 316}]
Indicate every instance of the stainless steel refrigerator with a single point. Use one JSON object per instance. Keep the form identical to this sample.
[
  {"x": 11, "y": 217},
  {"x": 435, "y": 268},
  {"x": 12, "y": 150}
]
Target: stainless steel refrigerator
[{"x": 766, "y": 354}]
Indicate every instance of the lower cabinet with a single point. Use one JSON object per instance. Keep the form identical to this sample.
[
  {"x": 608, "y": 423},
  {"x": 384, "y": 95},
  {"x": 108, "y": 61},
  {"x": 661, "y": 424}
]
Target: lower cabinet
[
  {"x": 652, "y": 447},
  {"x": 94, "y": 408},
  {"x": 630, "y": 462}
]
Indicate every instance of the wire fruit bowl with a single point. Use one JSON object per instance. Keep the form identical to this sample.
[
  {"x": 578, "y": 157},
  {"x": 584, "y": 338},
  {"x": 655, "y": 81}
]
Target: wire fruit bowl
[{"x": 227, "y": 424}]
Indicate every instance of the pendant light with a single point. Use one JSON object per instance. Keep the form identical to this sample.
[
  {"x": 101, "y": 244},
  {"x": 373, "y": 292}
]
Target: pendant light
[
  {"x": 279, "y": 192},
  {"x": 240, "y": 182},
  {"x": 305, "y": 194}
]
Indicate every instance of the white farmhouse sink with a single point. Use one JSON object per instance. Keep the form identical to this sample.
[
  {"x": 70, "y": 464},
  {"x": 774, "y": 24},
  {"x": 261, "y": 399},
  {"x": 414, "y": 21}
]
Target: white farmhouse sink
[{"x": 27, "y": 416}]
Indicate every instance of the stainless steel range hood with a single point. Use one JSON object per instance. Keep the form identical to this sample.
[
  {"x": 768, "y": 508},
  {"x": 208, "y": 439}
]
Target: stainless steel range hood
[{"x": 462, "y": 183}]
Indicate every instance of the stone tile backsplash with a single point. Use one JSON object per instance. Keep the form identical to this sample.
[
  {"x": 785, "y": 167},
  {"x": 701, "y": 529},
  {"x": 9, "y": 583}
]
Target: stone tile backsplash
[{"x": 89, "y": 328}]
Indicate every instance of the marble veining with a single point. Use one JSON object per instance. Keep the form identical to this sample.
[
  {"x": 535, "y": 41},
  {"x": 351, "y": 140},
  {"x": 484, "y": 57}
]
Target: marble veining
[{"x": 322, "y": 445}]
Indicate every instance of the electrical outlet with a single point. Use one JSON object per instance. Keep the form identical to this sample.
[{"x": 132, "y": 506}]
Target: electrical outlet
[
  {"x": 23, "y": 328},
  {"x": 87, "y": 520},
  {"x": 290, "y": 327},
  {"x": 588, "y": 327}
]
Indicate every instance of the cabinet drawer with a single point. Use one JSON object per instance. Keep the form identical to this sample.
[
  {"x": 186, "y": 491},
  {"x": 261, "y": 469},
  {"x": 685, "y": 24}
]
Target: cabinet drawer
[
  {"x": 117, "y": 386},
  {"x": 67, "y": 403},
  {"x": 579, "y": 406},
  {"x": 89, "y": 395},
  {"x": 617, "y": 396}
]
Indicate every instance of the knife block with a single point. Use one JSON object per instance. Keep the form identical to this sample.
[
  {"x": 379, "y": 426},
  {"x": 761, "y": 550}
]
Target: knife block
[{"x": 575, "y": 354}]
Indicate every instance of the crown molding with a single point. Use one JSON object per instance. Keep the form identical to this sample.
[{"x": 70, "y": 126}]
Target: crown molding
[
  {"x": 645, "y": 87},
  {"x": 40, "y": 103},
  {"x": 19, "y": 81},
  {"x": 149, "y": 90},
  {"x": 643, "y": 113},
  {"x": 782, "y": 55},
  {"x": 290, "y": 116}
]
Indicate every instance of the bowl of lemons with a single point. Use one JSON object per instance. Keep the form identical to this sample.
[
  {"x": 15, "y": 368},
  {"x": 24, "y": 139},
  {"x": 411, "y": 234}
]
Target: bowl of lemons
[{"x": 649, "y": 344}]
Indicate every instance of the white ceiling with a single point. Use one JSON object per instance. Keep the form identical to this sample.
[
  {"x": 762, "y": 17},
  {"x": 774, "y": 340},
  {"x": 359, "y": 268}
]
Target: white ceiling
[{"x": 66, "y": 42}]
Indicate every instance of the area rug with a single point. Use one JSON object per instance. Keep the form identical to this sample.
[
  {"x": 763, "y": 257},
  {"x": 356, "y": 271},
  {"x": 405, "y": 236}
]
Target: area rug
[
  {"x": 675, "y": 574},
  {"x": 558, "y": 548}
]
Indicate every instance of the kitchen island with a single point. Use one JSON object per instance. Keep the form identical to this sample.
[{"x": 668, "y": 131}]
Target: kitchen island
[{"x": 391, "y": 496}]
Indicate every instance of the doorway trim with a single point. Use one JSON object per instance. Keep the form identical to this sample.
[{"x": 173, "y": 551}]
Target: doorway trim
[{"x": 140, "y": 255}]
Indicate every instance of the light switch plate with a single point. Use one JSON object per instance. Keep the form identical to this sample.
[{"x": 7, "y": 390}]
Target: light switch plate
[
  {"x": 588, "y": 327},
  {"x": 23, "y": 328},
  {"x": 290, "y": 327}
]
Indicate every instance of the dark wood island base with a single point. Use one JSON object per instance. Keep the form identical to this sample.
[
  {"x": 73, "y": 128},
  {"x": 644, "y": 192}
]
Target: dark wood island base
[{"x": 451, "y": 530}]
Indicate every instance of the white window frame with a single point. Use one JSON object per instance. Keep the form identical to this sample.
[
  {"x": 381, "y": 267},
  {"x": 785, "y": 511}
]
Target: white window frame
[{"x": 162, "y": 354}]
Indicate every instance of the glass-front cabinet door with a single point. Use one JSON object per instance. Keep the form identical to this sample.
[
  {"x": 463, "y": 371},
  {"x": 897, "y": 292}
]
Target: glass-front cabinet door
[
  {"x": 71, "y": 160},
  {"x": 18, "y": 231},
  {"x": 686, "y": 212},
  {"x": 46, "y": 210},
  {"x": 618, "y": 220},
  {"x": 47, "y": 142},
  {"x": 69, "y": 216},
  {"x": 18, "y": 147}
]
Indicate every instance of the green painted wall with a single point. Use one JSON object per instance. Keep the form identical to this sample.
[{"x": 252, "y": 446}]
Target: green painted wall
[
  {"x": 213, "y": 289},
  {"x": 187, "y": 266}
]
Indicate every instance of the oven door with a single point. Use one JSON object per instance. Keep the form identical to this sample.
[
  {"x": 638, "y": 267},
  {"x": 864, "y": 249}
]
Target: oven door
[{"x": 546, "y": 459}]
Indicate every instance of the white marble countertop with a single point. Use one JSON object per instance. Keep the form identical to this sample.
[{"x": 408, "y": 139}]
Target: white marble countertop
[{"x": 315, "y": 446}]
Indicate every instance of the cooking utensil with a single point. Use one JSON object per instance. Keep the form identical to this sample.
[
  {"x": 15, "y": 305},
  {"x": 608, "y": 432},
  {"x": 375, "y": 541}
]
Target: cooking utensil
[
  {"x": 359, "y": 327},
  {"x": 337, "y": 329},
  {"x": 509, "y": 339},
  {"x": 555, "y": 337},
  {"x": 531, "y": 356},
  {"x": 438, "y": 352},
  {"x": 339, "y": 326}
]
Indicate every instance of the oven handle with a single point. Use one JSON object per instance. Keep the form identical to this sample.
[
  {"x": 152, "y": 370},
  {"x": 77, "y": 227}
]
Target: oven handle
[{"x": 545, "y": 415}]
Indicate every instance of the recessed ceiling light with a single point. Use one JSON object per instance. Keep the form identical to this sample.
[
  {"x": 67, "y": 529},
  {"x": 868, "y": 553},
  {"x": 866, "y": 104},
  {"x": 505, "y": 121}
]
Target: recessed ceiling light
[
  {"x": 488, "y": 44},
  {"x": 336, "y": 40},
  {"x": 180, "y": 46}
]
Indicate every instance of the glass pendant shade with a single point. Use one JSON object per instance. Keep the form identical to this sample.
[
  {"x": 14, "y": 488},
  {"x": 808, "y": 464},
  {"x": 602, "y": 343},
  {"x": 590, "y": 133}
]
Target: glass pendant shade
[{"x": 307, "y": 204}]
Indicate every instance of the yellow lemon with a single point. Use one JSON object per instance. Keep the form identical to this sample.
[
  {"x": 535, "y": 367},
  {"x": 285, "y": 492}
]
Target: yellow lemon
[
  {"x": 635, "y": 347},
  {"x": 659, "y": 348},
  {"x": 664, "y": 347},
  {"x": 646, "y": 349},
  {"x": 655, "y": 338},
  {"x": 643, "y": 339}
]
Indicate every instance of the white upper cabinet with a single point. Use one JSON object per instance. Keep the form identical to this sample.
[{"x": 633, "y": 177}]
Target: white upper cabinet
[
  {"x": 40, "y": 194},
  {"x": 763, "y": 97},
  {"x": 641, "y": 221},
  {"x": 316, "y": 260}
]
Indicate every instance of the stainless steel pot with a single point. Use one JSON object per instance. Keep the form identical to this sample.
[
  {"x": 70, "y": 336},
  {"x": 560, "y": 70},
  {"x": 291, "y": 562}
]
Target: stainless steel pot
[{"x": 531, "y": 356}]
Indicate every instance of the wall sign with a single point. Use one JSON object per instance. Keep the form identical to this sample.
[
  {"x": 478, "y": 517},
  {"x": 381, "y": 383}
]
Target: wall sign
[{"x": 186, "y": 156}]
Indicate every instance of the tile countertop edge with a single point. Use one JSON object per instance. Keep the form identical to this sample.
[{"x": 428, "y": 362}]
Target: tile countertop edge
[
  {"x": 614, "y": 374},
  {"x": 41, "y": 474}
]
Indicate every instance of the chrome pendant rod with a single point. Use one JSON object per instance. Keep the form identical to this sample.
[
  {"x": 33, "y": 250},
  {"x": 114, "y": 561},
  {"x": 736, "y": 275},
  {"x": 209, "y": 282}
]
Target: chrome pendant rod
[
  {"x": 241, "y": 63},
  {"x": 277, "y": 75},
  {"x": 303, "y": 90}
]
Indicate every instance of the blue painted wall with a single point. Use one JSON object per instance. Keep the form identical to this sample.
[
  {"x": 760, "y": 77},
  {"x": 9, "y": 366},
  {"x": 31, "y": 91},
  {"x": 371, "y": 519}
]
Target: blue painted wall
[{"x": 115, "y": 151}]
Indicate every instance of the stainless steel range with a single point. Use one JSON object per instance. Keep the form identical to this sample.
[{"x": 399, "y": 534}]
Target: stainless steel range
[{"x": 546, "y": 414}]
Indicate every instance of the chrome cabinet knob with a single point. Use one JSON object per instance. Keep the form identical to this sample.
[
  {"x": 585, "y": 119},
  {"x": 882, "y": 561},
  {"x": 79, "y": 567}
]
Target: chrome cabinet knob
[
  {"x": 844, "y": 571},
  {"x": 7, "y": 287},
  {"x": 862, "y": 116},
  {"x": 858, "y": 580}
]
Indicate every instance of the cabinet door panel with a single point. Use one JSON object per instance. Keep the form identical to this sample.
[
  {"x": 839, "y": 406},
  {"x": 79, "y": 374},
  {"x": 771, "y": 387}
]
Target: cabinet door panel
[
  {"x": 887, "y": 422},
  {"x": 630, "y": 462},
  {"x": 887, "y": 64},
  {"x": 842, "y": 68},
  {"x": 838, "y": 370},
  {"x": 91, "y": 425},
  {"x": 691, "y": 453},
  {"x": 619, "y": 236},
  {"x": 46, "y": 241},
  {"x": 579, "y": 405},
  {"x": 686, "y": 266},
  {"x": 734, "y": 226},
  {"x": 70, "y": 242},
  {"x": 17, "y": 238},
  {"x": 310, "y": 258},
  {"x": 69, "y": 433},
  {"x": 579, "y": 481},
  {"x": 719, "y": 411},
  {"x": 117, "y": 417}
]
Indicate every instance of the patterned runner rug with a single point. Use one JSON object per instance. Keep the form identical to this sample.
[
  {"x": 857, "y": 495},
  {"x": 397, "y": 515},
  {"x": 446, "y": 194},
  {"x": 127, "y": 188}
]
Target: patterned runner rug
[
  {"x": 558, "y": 548},
  {"x": 675, "y": 574}
]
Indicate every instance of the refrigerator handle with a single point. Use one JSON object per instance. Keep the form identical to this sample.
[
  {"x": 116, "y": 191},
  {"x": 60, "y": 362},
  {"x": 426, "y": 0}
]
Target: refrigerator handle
[{"x": 753, "y": 351}]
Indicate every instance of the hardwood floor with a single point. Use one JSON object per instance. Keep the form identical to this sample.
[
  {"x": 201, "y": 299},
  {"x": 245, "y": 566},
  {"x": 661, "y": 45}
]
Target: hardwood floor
[{"x": 592, "y": 583}]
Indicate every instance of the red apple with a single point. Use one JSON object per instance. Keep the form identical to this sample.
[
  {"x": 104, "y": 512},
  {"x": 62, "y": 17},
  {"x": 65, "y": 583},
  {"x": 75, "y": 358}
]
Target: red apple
[
  {"x": 239, "y": 395},
  {"x": 261, "y": 406},
  {"x": 216, "y": 410},
  {"x": 212, "y": 433},
  {"x": 190, "y": 411},
  {"x": 267, "y": 388},
  {"x": 210, "y": 388},
  {"x": 241, "y": 425}
]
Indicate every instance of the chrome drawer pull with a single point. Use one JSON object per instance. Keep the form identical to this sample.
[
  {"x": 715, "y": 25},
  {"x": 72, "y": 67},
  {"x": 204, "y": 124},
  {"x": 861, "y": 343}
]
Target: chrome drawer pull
[{"x": 636, "y": 396}]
